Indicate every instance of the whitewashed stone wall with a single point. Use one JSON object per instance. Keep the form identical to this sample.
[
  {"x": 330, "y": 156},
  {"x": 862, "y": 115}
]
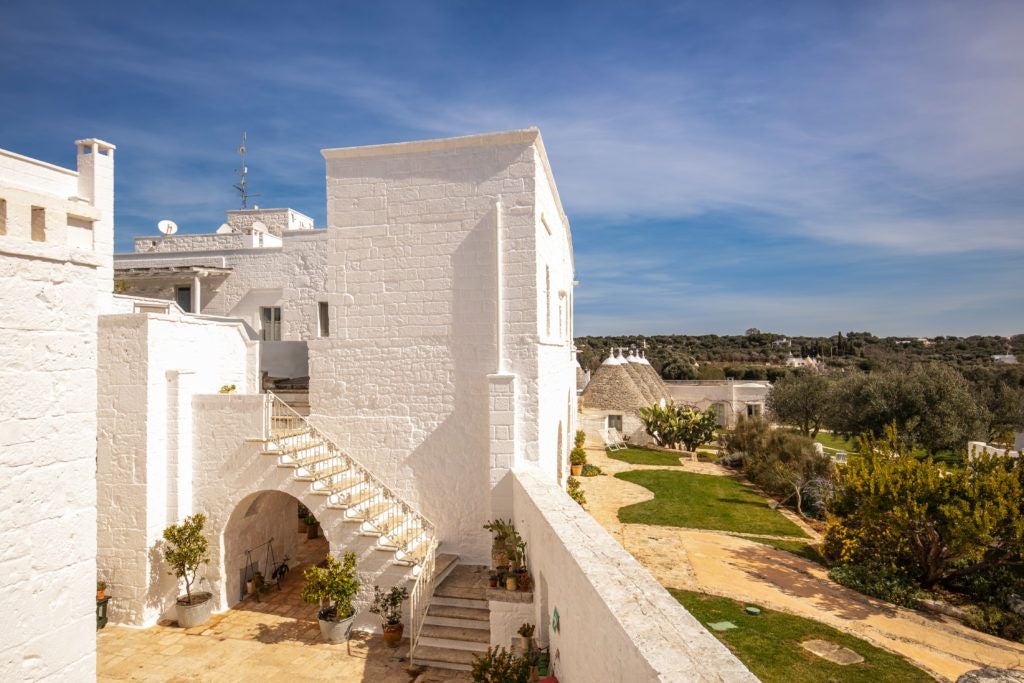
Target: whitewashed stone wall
[
  {"x": 728, "y": 396},
  {"x": 616, "y": 623},
  {"x": 278, "y": 221},
  {"x": 51, "y": 291},
  {"x": 150, "y": 368},
  {"x": 412, "y": 271},
  {"x": 593, "y": 420},
  {"x": 291, "y": 276},
  {"x": 204, "y": 242}
]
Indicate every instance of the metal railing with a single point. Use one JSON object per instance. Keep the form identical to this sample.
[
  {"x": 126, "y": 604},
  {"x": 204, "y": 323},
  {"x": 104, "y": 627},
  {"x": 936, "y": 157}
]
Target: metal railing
[{"x": 364, "y": 497}]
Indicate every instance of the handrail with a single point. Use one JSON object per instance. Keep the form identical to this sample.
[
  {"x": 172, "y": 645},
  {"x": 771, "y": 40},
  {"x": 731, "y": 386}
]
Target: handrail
[
  {"x": 427, "y": 524},
  {"x": 419, "y": 598}
]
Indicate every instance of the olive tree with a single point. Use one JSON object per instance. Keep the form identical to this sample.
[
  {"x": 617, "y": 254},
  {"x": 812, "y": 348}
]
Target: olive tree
[{"x": 802, "y": 400}]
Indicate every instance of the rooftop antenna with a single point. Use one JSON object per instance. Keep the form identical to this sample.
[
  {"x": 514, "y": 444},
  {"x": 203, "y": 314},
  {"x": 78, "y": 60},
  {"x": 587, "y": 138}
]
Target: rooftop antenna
[{"x": 241, "y": 173}]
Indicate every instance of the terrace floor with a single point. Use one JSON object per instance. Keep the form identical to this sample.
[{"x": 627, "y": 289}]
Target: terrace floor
[{"x": 276, "y": 639}]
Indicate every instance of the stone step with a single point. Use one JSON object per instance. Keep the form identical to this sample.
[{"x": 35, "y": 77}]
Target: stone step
[
  {"x": 443, "y": 658},
  {"x": 467, "y": 581},
  {"x": 459, "y": 602},
  {"x": 444, "y": 563},
  {"x": 464, "y": 613},
  {"x": 453, "y": 638},
  {"x": 482, "y": 626}
]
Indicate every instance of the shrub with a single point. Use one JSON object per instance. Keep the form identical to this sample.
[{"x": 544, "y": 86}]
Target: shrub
[
  {"x": 580, "y": 438},
  {"x": 672, "y": 425},
  {"x": 572, "y": 487},
  {"x": 185, "y": 549},
  {"x": 733, "y": 460},
  {"x": 578, "y": 456},
  {"x": 590, "y": 470},
  {"x": 336, "y": 584},
  {"x": 876, "y": 581},
  {"x": 500, "y": 666},
  {"x": 388, "y": 605},
  {"x": 995, "y": 620}
]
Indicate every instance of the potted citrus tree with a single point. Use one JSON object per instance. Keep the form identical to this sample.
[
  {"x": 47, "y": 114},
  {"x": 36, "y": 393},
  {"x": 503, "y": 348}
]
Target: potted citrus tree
[
  {"x": 388, "y": 606},
  {"x": 185, "y": 550},
  {"x": 332, "y": 588}
]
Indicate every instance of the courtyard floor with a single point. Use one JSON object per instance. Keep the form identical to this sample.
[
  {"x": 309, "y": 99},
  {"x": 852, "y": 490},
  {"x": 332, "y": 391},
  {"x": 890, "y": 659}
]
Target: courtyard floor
[
  {"x": 276, "y": 639},
  {"x": 730, "y": 565}
]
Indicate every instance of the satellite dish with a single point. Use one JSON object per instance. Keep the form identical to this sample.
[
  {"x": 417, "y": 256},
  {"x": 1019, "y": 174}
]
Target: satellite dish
[
  {"x": 167, "y": 227},
  {"x": 224, "y": 229},
  {"x": 259, "y": 226}
]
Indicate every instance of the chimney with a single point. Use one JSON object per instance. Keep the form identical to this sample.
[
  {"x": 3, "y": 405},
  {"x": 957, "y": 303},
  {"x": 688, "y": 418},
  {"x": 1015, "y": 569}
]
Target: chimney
[{"x": 96, "y": 186}]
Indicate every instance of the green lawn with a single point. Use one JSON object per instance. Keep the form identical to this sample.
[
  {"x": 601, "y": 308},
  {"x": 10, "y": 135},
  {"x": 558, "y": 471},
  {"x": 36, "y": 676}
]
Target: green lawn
[
  {"x": 798, "y": 548},
  {"x": 635, "y": 455},
  {"x": 830, "y": 440},
  {"x": 703, "y": 501},
  {"x": 769, "y": 644}
]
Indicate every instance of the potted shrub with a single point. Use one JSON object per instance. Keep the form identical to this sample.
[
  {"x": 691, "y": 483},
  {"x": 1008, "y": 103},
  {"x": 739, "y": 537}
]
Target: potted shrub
[
  {"x": 101, "y": 590},
  {"x": 524, "y": 641},
  {"x": 185, "y": 549},
  {"x": 312, "y": 526},
  {"x": 500, "y": 666},
  {"x": 580, "y": 438},
  {"x": 389, "y": 607},
  {"x": 492, "y": 579},
  {"x": 332, "y": 587},
  {"x": 499, "y": 550},
  {"x": 577, "y": 459}
]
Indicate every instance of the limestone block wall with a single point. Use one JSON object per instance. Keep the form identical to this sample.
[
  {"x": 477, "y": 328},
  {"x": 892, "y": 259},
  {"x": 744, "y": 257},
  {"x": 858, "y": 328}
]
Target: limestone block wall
[
  {"x": 150, "y": 368},
  {"x": 593, "y": 420},
  {"x": 616, "y": 623},
  {"x": 729, "y": 397},
  {"x": 47, "y": 458},
  {"x": 412, "y": 268},
  {"x": 264, "y": 516},
  {"x": 278, "y": 221}
]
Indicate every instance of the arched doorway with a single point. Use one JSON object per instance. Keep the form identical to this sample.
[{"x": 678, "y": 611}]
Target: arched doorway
[{"x": 263, "y": 530}]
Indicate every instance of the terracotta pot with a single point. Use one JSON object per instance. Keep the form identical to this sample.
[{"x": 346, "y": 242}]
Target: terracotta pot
[
  {"x": 524, "y": 581},
  {"x": 576, "y": 469},
  {"x": 492, "y": 582},
  {"x": 393, "y": 634}
]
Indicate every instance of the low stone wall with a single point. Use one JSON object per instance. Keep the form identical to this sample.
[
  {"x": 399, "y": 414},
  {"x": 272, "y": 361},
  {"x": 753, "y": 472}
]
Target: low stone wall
[{"x": 616, "y": 623}]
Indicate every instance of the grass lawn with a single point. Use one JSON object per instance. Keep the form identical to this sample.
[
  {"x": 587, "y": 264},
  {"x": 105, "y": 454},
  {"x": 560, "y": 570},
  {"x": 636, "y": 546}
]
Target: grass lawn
[
  {"x": 769, "y": 644},
  {"x": 798, "y": 548},
  {"x": 703, "y": 501},
  {"x": 635, "y": 455},
  {"x": 830, "y": 440}
]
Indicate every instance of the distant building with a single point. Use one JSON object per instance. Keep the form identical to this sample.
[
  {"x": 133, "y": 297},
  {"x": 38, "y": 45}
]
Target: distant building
[
  {"x": 1006, "y": 358},
  {"x": 731, "y": 399},
  {"x": 616, "y": 392}
]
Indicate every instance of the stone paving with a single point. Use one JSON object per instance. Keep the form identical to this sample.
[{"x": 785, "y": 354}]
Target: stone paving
[
  {"x": 276, "y": 639},
  {"x": 732, "y": 566}
]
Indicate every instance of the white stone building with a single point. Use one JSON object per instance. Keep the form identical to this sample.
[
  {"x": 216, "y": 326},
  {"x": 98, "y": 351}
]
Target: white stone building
[
  {"x": 433, "y": 319},
  {"x": 731, "y": 399},
  {"x": 56, "y": 243}
]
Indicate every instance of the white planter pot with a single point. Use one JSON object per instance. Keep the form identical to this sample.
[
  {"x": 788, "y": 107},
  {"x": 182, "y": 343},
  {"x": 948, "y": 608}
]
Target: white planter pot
[
  {"x": 336, "y": 631},
  {"x": 196, "y": 613}
]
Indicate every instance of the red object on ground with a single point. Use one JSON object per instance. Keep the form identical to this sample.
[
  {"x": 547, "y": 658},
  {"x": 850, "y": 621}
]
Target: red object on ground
[{"x": 548, "y": 679}]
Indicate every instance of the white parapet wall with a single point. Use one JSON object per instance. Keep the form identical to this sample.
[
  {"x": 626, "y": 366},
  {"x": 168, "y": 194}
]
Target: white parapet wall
[
  {"x": 976, "y": 448},
  {"x": 616, "y": 623}
]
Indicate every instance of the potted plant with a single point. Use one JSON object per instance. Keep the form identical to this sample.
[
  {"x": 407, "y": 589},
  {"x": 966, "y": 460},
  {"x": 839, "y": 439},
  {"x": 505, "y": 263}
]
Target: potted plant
[
  {"x": 185, "y": 549},
  {"x": 580, "y": 438},
  {"x": 524, "y": 641},
  {"x": 312, "y": 526},
  {"x": 499, "y": 550},
  {"x": 500, "y": 666},
  {"x": 492, "y": 579},
  {"x": 389, "y": 607},
  {"x": 577, "y": 459},
  {"x": 334, "y": 584},
  {"x": 101, "y": 590}
]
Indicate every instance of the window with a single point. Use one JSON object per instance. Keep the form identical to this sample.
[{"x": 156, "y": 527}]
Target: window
[
  {"x": 324, "y": 319},
  {"x": 270, "y": 317},
  {"x": 615, "y": 422},
  {"x": 38, "y": 224},
  {"x": 3, "y": 216},
  {"x": 183, "y": 296},
  {"x": 753, "y": 410}
]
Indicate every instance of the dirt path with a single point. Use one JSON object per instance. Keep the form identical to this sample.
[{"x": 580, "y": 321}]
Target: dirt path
[{"x": 732, "y": 566}]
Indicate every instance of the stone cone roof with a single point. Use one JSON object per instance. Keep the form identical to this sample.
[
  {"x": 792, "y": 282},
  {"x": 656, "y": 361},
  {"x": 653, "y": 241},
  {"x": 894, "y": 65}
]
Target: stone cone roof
[
  {"x": 611, "y": 388},
  {"x": 642, "y": 383},
  {"x": 581, "y": 378},
  {"x": 654, "y": 382}
]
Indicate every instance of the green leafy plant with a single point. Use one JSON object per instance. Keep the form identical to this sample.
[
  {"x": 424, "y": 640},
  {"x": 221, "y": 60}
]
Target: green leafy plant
[
  {"x": 500, "y": 666},
  {"x": 101, "y": 586},
  {"x": 388, "y": 605},
  {"x": 336, "y": 584},
  {"x": 572, "y": 487},
  {"x": 578, "y": 456},
  {"x": 185, "y": 549},
  {"x": 526, "y": 630},
  {"x": 590, "y": 470},
  {"x": 672, "y": 424},
  {"x": 580, "y": 438},
  {"x": 876, "y": 581},
  {"x": 501, "y": 528},
  {"x": 228, "y": 389}
]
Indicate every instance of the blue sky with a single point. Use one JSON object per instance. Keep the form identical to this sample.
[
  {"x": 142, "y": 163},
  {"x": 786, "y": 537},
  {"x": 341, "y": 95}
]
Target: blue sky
[{"x": 797, "y": 167}]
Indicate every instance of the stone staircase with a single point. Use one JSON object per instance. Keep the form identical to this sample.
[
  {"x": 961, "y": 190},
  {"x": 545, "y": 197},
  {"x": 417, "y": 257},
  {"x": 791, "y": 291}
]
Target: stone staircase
[
  {"x": 457, "y": 623},
  {"x": 359, "y": 501}
]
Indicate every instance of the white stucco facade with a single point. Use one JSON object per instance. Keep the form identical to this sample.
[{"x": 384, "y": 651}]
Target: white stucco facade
[
  {"x": 732, "y": 399},
  {"x": 55, "y": 255}
]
